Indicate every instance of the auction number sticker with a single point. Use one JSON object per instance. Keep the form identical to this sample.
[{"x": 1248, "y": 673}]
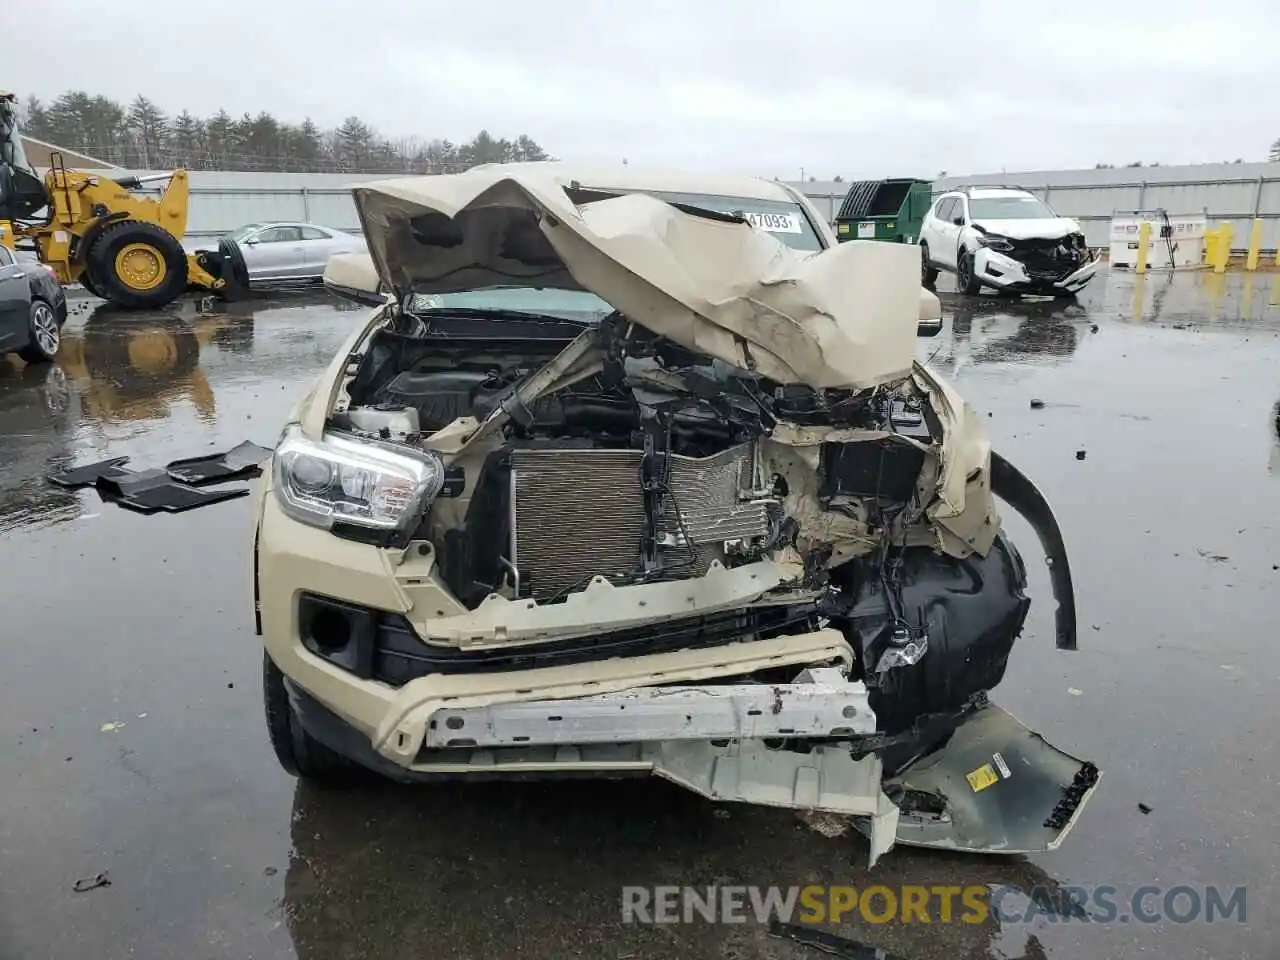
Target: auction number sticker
[{"x": 774, "y": 222}]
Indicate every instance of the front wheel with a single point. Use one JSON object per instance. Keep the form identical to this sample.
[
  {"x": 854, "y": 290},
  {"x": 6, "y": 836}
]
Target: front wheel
[
  {"x": 299, "y": 753},
  {"x": 966, "y": 278},
  {"x": 137, "y": 265},
  {"x": 44, "y": 332},
  {"x": 928, "y": 272}
]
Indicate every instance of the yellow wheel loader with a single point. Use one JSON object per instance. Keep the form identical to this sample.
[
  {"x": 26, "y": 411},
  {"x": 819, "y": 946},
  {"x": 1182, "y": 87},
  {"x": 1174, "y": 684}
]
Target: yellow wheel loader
[{"x": 93, "y": 230}]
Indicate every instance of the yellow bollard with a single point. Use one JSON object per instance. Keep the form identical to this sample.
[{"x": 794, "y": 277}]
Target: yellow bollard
[
  {"x": 1137, "y": 303},
  {"x": 1217, "y": 285},
  {"x": 1222, "y": 249},
  {"x": 1210, "y": 247},
  {"x": 1255, "y": 245},
  {"x": 1144, "y": 248}
]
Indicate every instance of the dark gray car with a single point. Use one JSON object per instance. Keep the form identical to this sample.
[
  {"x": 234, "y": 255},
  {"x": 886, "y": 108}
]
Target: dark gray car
[{"x": 33, "y": 309}]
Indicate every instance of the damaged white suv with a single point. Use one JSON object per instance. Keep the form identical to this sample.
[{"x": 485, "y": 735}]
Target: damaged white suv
[
  {"x": 635, "y": 474},
  {"x": 1005, "y": 238}
]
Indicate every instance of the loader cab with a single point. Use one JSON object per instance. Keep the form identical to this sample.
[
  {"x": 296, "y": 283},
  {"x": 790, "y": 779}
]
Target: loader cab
[{"x": 22, "y": 194}]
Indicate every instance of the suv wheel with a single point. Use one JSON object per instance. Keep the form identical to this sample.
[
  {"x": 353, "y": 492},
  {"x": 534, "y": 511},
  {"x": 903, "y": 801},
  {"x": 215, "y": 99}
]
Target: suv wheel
[
  {"x": 928, "y": 272},
  {"x": 299, "y": 753},
  {"x": 965, "y": 279}
]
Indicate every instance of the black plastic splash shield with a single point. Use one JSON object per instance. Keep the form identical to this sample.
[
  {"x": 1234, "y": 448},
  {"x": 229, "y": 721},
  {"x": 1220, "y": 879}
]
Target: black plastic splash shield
[{"x": 239, "y": 463}]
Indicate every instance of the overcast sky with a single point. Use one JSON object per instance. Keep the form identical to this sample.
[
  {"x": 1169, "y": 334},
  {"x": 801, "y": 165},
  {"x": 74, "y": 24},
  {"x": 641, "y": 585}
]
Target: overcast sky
[{"x": 828, "y": 86}]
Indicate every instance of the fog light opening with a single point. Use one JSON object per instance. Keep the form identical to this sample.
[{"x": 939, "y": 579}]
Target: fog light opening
[{"x": 330, "y": 629}]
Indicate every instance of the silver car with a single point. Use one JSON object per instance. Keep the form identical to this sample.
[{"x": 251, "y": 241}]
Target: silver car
[{"x": 283, "y": 250}]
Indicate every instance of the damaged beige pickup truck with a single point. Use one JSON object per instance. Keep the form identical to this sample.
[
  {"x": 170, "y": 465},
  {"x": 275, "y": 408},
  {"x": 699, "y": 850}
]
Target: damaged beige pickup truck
[{"x": 635, "y": 473}]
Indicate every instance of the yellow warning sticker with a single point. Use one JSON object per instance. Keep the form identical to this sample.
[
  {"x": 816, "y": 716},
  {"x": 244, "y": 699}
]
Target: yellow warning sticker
[{"x": 982, "y": 778}]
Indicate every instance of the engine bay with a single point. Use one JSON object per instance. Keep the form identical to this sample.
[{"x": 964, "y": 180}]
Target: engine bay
[{"x": 661, "y": 464}]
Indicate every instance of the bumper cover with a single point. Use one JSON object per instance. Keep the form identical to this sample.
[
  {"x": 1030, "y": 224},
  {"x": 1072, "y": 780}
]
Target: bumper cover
[
  {"x": 710, "y": 740},
  {"x": 1005, "y": 273}
]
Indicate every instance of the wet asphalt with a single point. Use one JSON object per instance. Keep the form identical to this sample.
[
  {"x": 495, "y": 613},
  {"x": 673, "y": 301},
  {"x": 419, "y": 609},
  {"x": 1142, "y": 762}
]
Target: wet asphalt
[{"x": 132, "y": 741}]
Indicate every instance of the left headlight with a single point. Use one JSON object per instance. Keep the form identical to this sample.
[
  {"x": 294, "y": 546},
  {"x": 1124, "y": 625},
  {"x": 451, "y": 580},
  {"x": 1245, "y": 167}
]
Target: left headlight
[
  {"x": 999, "y": 244},
  {"x": 357, "y": 482}
]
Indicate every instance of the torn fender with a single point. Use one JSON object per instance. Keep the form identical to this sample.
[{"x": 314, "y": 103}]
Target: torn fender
[{"x": 1012, "y": 486}]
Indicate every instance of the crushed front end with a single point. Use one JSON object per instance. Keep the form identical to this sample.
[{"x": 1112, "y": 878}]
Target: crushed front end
[
  {"x": 1038, "y": 265},
  {"x": 497, "y": 545}
]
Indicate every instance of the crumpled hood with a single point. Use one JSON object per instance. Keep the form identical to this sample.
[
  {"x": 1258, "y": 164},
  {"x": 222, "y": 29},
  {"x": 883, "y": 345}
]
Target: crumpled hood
[
  {"x": 1053, "y": 228},
  {"x": 844, "y": 317}
]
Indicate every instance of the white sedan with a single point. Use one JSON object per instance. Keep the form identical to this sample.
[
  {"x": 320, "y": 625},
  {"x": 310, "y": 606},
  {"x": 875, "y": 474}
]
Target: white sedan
[{"x": 287, "y": 251}]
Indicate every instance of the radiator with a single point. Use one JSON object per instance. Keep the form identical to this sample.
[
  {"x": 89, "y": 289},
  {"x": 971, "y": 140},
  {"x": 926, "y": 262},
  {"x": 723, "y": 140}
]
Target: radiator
[{"x": 579, "y": 513}]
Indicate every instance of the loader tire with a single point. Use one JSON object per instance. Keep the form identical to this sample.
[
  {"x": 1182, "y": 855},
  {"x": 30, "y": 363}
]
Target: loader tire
[
  {"x": 87, "y": 282},
  {"x": 237, "y": 271},
  {"x": 137, "y": 265}
]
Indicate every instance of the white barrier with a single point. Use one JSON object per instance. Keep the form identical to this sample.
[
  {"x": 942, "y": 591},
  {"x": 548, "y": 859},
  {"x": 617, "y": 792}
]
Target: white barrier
[{"x": 1177, "y": 243}]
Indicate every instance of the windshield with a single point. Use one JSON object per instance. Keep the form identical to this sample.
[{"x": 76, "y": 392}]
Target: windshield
[
  {"x": 784, "y": 220},
  {"x": 241, "y": 232},
  {"x": 1009, "y": 208}
]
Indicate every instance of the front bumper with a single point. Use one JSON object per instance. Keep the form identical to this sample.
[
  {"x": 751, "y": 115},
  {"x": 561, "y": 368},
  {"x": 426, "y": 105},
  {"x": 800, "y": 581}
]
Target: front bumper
[
  {"x": 1005, "y": 273},
  {"x": 394, "y": 714},
  {"x": 678, "y": 715}
]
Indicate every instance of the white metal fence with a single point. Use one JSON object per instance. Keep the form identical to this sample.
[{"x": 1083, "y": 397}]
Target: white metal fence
[{"x": 1235, "y": 193}]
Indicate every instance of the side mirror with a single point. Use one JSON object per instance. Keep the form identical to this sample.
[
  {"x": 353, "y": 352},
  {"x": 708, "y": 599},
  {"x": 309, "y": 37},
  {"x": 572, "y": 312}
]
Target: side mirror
[
  {"x": 958, "y": 221},
  {"x": 929, "y": 322},
  {"x": 250, "y": 241}
]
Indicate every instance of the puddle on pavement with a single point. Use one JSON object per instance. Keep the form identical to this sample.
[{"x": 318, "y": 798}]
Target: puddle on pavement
[
  {"x": 147, "y": 380},
  {"x": 217, "y": 846}
]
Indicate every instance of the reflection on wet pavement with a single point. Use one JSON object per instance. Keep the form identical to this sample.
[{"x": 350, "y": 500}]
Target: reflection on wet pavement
[
  {"x": 119, "y": 374},
  {"x": 130, "y": 704}
]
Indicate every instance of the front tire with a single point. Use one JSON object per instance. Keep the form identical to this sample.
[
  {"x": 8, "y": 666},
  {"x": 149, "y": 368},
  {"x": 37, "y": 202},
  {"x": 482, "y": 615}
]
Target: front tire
[
  {"x": 46, "y": 336},
  {"x": 928, "y": 272},
  {"x": 300, "y": 754},
  {"x": 87, "y": 282},
  {"x": 137, "y": 265},
  {"x": 966, "y": 278}
]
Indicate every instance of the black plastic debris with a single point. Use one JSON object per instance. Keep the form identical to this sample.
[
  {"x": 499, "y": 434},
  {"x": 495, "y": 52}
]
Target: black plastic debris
[
  {"x": 85, "y": 884},
  {"x": 1081, "y": 454},
  {"x": 239, "y": 463},
  {"x": 1144, "y": 808},
  {"x": 150, "y": 491},
  {"x": 89, "y": 474},
  {"x": 828, "y": 943},
  {"x": 1037, "y": 404},
  {"x": 172, "y": 489}
]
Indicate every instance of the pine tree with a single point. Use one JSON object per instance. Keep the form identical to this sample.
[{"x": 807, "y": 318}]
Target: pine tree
[
  {"x": 1274, "y": 155},
  {"x": 150, "y": 131},
  {"x": 353, "y": 142},
  {"x": 185, "y": 135},
  {"x": 36, "y": 119},
  {"x": 218, "y": 139}
]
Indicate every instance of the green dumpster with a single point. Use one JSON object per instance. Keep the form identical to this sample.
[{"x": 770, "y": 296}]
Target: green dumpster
[{"x": 889, "y": 210}]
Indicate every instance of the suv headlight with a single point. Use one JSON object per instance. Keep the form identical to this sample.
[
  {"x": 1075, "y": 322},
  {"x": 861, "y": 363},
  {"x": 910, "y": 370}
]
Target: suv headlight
[
  {"x": 357, "y": 482},
  {"x": 999, "y": 244}
]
